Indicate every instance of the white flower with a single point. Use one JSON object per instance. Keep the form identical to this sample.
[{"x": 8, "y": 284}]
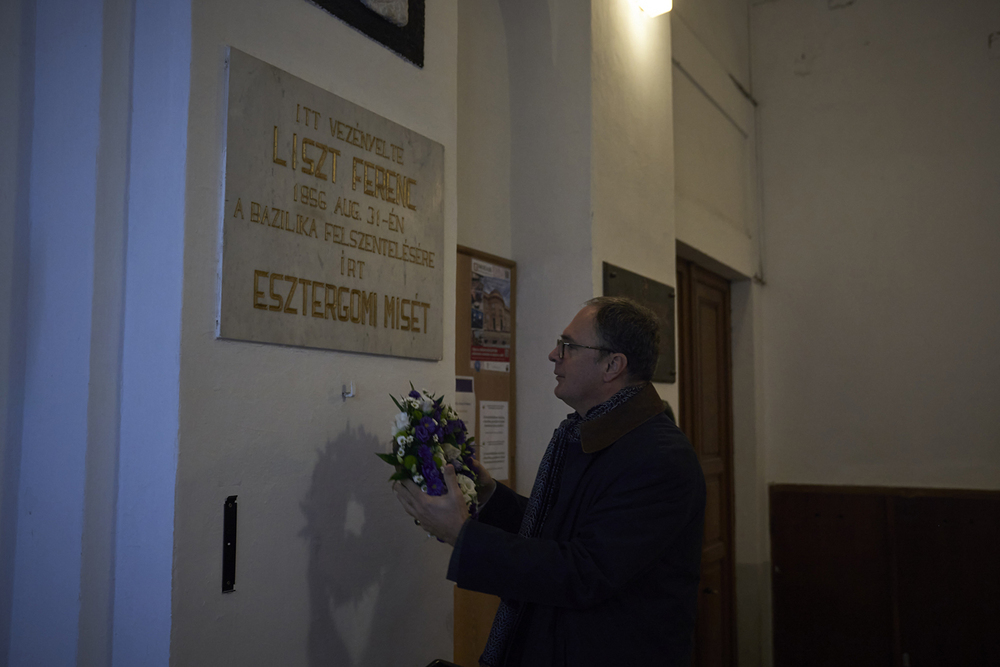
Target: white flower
[
  {"x": 418, "y": 478},
  {"x": 468, "y": 488},
  {"x": 409, "y": 439},
  {"x": 402, "y": 421},
  {"x": 451, "y": 452},
  {"x": 434, "y": 437},
  {"x": 423, "y": 487},
  {"x": 401, "y": 440},
  {"x": 427, "y": 406}
]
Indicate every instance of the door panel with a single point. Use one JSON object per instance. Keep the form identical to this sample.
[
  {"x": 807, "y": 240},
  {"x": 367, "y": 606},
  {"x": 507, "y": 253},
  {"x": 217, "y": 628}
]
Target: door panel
[{"x": 706, "y": 417}]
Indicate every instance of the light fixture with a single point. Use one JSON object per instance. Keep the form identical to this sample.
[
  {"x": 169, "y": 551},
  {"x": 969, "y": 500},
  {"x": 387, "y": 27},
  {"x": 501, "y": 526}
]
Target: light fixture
[{"x": 655, "y": 7}]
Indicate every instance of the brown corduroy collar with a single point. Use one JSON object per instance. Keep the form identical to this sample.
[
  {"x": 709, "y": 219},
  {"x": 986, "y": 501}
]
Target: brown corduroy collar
[{"x": 600, "y": 433}]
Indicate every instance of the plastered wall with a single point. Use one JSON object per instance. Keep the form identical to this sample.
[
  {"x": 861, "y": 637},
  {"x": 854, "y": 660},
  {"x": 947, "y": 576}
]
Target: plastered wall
[
  {"x": 632, "y": 161},
  {"x": 330, "y": 570},
  {"x": 880, "y": 153}
]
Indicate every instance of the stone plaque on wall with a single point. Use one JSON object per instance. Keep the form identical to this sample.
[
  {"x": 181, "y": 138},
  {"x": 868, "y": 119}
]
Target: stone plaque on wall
[
  {"x": 333, "y": 225},
  {"x": 657, "y": 297}
]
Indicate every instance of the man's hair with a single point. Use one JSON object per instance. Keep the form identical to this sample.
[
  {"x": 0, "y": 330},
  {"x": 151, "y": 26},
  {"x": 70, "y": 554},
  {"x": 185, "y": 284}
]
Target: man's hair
[{"x": 632, "y": 329}]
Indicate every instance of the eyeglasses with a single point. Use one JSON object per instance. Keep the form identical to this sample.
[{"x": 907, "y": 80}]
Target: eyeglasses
[{"x": 562, "y": 345}]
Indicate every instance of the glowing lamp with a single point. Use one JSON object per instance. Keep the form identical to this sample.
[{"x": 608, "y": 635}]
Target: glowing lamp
[{"x": 655, "y": 7}]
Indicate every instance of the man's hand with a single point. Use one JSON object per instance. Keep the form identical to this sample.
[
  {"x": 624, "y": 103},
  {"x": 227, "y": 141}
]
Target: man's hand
[
  {"x": 487, "y": 485},
  {"x": 441, "y": 516}
]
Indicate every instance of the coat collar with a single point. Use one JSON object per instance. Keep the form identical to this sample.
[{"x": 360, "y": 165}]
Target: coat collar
[{"x": 600, "y": 433}]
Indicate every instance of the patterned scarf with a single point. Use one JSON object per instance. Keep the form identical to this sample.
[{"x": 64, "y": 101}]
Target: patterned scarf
[{"x": 543, "y": 497}]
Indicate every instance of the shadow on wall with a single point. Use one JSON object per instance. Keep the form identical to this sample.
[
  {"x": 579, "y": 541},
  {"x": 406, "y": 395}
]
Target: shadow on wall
[{"x": 358, "y": 554}]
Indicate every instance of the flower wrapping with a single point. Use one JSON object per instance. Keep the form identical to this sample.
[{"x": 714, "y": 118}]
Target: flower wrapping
[{"x": 426, "y": 436}]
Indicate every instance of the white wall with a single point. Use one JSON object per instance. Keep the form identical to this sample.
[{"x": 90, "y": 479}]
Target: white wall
[
  {"x": 632, "y": 161},
  {"x": 548, "y": 48},
  {"x": 881, "y": 150},
  {"x": 483, "y": 129},
  {"x": 93, "y": 472},
  {"x": 16, "y": 93},
  {"x": 329, "y": 568}
]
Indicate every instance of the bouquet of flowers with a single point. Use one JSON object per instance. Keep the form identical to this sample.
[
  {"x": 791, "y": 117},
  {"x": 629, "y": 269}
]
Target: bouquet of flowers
[{"x": 426, "y": 436}]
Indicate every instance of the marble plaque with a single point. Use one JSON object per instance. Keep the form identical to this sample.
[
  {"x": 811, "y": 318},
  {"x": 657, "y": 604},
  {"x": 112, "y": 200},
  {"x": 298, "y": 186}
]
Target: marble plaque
[{"x": 333, "y": 226}]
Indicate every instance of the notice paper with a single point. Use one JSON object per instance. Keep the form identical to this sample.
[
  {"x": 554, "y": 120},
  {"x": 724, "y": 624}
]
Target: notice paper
[
  {"x": 465, "y": 402},
  {"x": 493, "y": 420}
]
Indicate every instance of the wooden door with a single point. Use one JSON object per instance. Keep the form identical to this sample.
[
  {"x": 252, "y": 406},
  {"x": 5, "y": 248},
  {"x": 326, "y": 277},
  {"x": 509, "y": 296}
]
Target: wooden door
[{"x": 705, "y": 414}]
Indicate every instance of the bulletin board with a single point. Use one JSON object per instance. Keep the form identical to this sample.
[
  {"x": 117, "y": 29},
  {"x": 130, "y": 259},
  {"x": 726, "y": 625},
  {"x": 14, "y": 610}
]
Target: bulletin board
[
  {"x": 485, "y": 342},
  {"x": 485, "y": 318}
]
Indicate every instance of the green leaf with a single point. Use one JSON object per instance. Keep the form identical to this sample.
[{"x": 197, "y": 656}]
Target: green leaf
[
  {"x": 388, "y": 458},
  {"x": 401, "y": 409},
  {"x": 409, "y": 461},
  {"x": 399, "y": 476}
]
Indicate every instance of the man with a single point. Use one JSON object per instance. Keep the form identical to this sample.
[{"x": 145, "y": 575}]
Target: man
[{"x": 601, "y": 565}]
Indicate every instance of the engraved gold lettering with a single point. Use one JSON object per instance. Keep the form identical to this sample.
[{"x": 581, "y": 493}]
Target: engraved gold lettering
[
  {"x": 274, "y": 295},
  {"x": 291, "y": 292},
  {"x": 380, "y": 182},
  {"x": 355, "y": 179},
  {"x": 319, "y": 163},
  {"x": 389, "y": 316},
  {"x": 330, "y": 306},
  {"x": 343, "y": 311},
  {"x": 257, "y": 294},
  {"x": 295, "y": 149},
  {"x": 254, "y": 212},
  {"x": 239, "y": 209},
  {"x": 306, "y": 141},
  {"x": 369, "y": 183},
  {"x": 333, "y": 163},
  {"x": 305, "y": 295},
  {"x": 390, "y": 190},
  {"x": 425, "y": 307},
  {"x": 369, "y": 307},
  {"x": 317, "y": 302},
  {"x": 404, "y": 318},
  {"x": 414, "y": 320},
  {"x": 274, "y": 150},
  {"x": 406, "y": 194},
  {"x": 355, "y": 317}
]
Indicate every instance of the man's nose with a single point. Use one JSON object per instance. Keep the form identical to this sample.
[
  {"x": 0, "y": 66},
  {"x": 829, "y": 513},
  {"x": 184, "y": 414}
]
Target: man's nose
[{"x": 554, "y": 354}]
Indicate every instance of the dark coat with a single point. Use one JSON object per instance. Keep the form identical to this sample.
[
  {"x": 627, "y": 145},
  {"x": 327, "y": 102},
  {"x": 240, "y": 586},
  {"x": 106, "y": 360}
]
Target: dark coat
[{"x": 613, "y": 577}]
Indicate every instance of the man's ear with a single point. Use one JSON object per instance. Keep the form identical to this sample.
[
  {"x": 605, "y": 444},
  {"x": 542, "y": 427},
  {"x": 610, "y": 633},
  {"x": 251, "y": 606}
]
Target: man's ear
[{"x": 615, "y": 366}]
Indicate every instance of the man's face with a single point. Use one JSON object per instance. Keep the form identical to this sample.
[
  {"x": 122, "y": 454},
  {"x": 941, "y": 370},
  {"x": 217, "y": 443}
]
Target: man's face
[{"x": 579, "y": 374}]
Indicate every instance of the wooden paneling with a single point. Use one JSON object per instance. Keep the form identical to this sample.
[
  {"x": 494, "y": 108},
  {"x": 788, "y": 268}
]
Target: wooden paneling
[
  {"x": 948, "y": 572},
  {"x": 883, "y": 576},
  {"x": 830, "y": 555}
]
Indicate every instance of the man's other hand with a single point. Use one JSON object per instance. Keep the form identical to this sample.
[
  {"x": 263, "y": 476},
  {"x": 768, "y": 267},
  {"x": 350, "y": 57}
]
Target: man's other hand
[{"x": 441, "y": 516}]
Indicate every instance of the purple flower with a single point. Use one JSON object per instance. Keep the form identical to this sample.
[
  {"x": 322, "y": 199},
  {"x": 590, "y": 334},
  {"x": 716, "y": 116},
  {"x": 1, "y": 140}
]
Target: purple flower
[
  {"x": 432, "y": 476},
  {"x": 415, "y": 394},
  {"x": 460, "y": 437},
  {"x": 421, "y": 433},
  {"x": 428, "y": 424},
  {"x": 440, "y": 434}
]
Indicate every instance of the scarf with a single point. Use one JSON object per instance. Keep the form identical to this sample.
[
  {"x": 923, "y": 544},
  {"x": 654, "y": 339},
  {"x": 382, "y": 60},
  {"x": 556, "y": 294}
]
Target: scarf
[{"x": 543, "y": 497}]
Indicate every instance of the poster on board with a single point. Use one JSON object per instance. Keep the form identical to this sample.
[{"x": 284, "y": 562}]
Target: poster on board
[{"x": 491, "y": 317}]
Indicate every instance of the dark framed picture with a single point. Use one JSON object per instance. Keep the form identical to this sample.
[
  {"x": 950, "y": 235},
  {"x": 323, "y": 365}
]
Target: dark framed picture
[
  {"x": 397, "y": 24},
  {"x": 655, "y": 296}
]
